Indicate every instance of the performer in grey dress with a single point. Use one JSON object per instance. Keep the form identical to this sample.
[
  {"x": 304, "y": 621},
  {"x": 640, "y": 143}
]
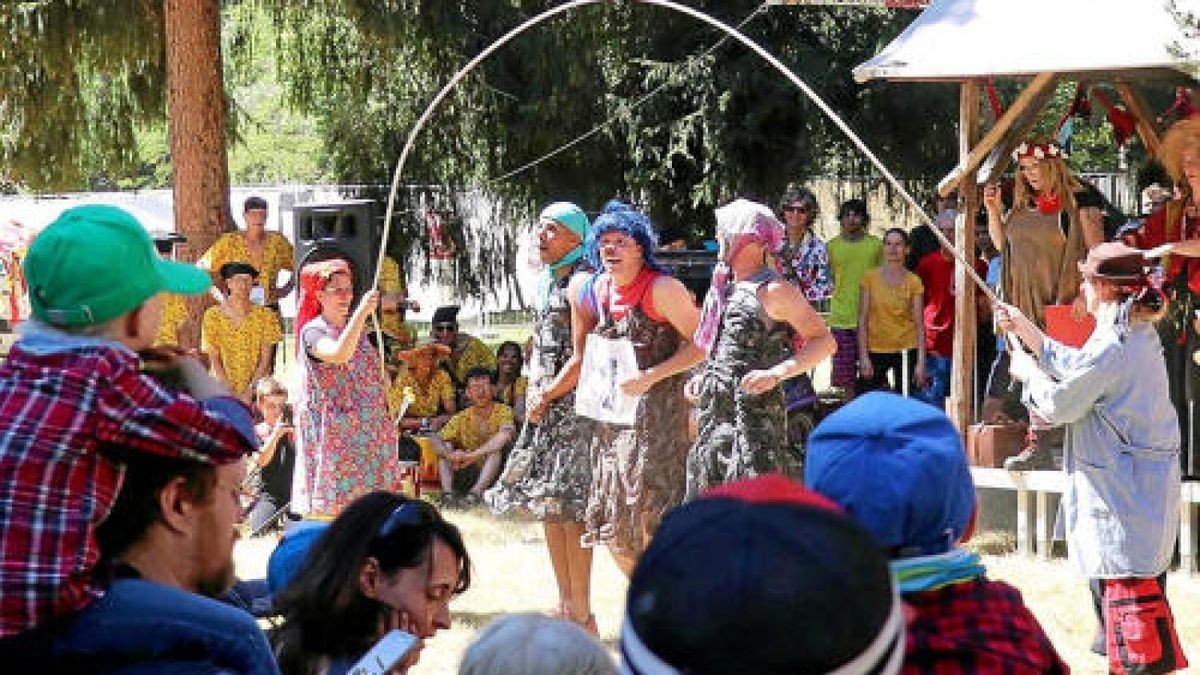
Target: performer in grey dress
[
  {"x": 548, "y": 473},
  {"x": 758, "y": 331}
]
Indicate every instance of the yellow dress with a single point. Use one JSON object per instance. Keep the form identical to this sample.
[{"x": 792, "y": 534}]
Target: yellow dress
[
  {"x": 510, "y": 395},
  {"x": 174, "y": 316},
  {"x": 427, "y": 399},
  {"x": 239, "y": 345},
  {"x": 231, "y": 247}
]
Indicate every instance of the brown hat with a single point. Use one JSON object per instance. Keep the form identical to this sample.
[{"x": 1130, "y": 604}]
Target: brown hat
[
  {"x": 438, "y": 350},
  {"x": 1115, "y": 262}
]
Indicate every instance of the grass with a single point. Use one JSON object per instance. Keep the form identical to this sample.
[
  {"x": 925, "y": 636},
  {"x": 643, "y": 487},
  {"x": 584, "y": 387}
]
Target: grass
[{"x": 512, "y": 574}]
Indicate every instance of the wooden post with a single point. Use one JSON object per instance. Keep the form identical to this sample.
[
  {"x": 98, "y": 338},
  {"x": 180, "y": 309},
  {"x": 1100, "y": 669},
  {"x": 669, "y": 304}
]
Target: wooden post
[{"x": 962, "y": 380}]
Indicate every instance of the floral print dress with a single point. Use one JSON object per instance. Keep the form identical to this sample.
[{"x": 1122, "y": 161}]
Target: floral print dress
[{"x": 347, "y": 439}]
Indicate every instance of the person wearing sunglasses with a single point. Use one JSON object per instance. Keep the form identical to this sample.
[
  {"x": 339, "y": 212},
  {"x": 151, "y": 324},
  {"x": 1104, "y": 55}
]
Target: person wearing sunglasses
[
  {"x": 466, "y": 351},
  {"x": 804, "y": 256},
  {"x": 347, "y": 438},
  {"x": 386, "y": 563}
]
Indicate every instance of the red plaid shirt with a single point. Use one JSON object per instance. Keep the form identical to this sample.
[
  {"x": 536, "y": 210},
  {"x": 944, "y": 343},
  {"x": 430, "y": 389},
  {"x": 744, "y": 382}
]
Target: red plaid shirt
[
  {"x": 60, "y": 409},
  {"x": 977, "y": 626}
]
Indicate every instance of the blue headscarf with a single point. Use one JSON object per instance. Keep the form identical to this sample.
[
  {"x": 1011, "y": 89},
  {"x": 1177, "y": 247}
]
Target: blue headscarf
[
  {"x": 574, "y": 219},
  {"x": 621, "y": 217}
]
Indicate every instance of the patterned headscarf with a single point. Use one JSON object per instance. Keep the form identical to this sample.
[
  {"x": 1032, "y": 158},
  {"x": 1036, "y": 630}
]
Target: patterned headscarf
[
  {"x": 313, "y": 279},
  {"x": 738, "y": 223}
]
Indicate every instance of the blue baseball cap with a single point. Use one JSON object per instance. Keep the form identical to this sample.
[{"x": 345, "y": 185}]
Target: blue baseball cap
[{"x": 898, "y": 466}]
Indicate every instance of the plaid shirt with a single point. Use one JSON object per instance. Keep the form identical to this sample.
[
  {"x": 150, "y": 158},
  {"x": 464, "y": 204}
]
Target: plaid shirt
[
  {"x": 977, "y": 626},
  {"x": 64, "y": 400}
]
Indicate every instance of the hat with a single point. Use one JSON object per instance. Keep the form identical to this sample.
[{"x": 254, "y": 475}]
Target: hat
[
  {"x": 95, "y": 263},
  {"x": 423, "y": 347},
  {"x": 762, "y": 576},
  {"x": 232, "y": 269},
  {"x": 568, "y": 215},
  {"x": 288, "y": 557},
  {"x": 1115, "y": 262},
  {"x": 445, "y": 314},
  {"x": 898, "y": 466}
]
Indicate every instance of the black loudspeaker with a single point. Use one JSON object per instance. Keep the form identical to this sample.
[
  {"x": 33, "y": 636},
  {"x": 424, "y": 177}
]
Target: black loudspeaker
[
  {"x": 347, "y": 230},
  {"x": 693, "y": 267}
]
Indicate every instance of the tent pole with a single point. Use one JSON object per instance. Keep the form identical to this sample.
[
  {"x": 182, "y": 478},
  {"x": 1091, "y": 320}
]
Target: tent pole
[{"x": 962, "y": 386}]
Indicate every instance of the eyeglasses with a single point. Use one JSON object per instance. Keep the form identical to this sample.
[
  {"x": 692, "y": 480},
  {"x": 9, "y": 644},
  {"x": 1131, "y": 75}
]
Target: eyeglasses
[
  {"x": 445, "y": 328},
  {"x": 408, "y": 514},
  {"x": 797, "y": 208},
  {"x": 340, "y": 291}
]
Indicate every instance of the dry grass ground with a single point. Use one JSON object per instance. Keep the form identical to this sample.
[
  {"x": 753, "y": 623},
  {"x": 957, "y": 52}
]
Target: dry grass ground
[{"x": 512, "y": 574}]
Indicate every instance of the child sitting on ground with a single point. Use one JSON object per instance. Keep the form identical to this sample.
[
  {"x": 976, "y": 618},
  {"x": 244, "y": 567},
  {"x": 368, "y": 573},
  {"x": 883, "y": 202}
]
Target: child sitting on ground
[{"x": 473, "y": 441}]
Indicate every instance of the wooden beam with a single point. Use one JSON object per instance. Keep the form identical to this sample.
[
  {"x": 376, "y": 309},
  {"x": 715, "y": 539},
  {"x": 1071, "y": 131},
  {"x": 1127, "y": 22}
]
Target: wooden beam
[
  {"x": 1001, "y": 156},
  {"x": 962, "y": 361},
  {"x": 1038, "y": 90},
  {"x": 1145, "y": 121}
]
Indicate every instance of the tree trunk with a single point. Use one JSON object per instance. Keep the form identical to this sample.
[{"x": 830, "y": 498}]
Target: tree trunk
[{"x": 196, "y": 110}]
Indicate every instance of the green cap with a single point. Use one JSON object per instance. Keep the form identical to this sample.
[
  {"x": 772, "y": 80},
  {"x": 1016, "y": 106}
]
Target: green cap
[{"x": 97, "y": 262}]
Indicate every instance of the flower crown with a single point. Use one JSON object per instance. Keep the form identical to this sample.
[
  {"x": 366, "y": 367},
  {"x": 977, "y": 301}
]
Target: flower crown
[{"x": 1039, "y": 151}]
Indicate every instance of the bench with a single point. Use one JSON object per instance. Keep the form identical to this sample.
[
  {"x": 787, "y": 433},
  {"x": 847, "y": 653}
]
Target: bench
[{"x": 1035, "y": 525}]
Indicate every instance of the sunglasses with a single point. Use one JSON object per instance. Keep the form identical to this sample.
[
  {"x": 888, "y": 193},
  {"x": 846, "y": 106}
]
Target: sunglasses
[
  {"x": 445, "y": 328},
  {"x": 797, "y": 209},
  {"x": 409, "y": 514}
]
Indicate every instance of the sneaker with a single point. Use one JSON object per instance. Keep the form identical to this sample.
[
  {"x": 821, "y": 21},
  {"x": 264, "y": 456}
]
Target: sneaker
[{"x": 1030, "y": 459}]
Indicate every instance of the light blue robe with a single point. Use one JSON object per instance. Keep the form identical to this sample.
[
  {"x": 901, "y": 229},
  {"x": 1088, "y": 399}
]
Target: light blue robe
[{"x": 1120, "y": 509}]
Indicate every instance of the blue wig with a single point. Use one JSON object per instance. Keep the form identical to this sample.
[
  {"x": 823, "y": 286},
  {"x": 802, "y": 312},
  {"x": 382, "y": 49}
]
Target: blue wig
[{"x": 620, "y": 217}]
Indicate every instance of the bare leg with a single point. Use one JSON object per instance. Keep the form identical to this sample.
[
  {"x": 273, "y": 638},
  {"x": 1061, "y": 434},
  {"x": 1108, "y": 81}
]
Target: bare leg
[
  {"x": 487, "y": 473},
  {"x": 447, "y": 476},
  {"x": 580, "y": 573},
  {"x": 557, "y": 544}
]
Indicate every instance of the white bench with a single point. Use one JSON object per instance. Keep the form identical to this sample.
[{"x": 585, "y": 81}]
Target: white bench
[{"x": 1034, "y": 526}]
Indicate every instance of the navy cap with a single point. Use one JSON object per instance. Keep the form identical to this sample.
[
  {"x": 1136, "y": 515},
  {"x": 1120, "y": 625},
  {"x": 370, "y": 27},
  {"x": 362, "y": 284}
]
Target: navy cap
[
  {"x": 898, "y": 466},
  {"x": 761, "y": 576}
]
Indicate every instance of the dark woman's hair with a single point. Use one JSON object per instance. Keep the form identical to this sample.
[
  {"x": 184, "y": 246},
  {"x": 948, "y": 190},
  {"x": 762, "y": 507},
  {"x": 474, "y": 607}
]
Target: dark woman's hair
[
  {"x": 921, "y": 242},
  {"x": 896, "y": 230},
  {"x": 854, "y": 206},
  {"x": 509, "y": 344},
  {"x": 324, "y": 610}
]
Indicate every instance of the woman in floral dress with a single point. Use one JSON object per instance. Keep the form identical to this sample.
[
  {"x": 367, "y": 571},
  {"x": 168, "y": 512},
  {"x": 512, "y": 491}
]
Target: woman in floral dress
[
  {"x": 347, "y": 439},
  {"x": 638, "y": 469}
]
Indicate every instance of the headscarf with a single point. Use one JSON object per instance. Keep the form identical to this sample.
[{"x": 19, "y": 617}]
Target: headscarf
[
  {"x": 621, "y": 217},
  {"x": 738, "y": 223},
  {"x": 313, "y": 279},
  {"x": 574, "y": 219}
]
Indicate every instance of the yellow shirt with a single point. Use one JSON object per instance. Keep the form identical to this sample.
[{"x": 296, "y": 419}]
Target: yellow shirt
[
  {"x": 517, "y": 391},
  {"x": 174, "y": 315},
  {"x": 239, "y": 346},
  {"x": 428, "y": 401},
  {"x": 465, "y": 431},
  {"x": 890, "y": 325},
  {"x": 231, "y": 247},
  {"x": 475, "y": 353}
]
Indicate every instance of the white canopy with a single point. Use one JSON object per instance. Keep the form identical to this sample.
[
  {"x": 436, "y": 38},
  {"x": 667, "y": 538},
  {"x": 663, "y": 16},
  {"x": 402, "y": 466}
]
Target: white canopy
[{"x": 964, "y": 39}]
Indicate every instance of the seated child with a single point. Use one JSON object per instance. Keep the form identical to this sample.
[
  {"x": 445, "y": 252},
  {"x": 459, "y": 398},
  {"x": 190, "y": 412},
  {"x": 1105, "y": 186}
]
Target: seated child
[{"x": 473, "y": 440}]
